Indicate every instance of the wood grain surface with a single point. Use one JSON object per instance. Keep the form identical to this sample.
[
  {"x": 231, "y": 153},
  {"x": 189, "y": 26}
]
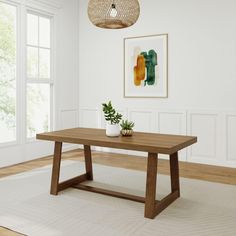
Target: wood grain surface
[{"x": 148, "y": 142}]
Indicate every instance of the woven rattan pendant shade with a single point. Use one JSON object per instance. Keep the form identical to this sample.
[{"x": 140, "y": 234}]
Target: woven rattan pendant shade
[{"x": 113, "y": 14}]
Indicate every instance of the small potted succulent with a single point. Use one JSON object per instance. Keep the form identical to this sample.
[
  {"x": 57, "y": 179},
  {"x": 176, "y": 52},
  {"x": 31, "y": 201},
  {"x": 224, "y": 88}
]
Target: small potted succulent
[
  {"x": 127, "y": 128},
  {"x": 113, "y": 119}
]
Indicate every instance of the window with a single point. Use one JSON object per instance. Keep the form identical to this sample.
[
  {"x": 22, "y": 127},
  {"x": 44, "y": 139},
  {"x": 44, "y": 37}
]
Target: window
[
  {"x": 7, "y": 73},
  {"x": 33, "y": 82},
  {"x": 39, "y": 81}
]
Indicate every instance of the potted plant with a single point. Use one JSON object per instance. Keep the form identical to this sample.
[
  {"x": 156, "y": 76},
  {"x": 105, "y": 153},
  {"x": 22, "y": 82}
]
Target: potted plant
[
  {"x": 113, "y": 119},
  {"x": 127, "y": 128}
]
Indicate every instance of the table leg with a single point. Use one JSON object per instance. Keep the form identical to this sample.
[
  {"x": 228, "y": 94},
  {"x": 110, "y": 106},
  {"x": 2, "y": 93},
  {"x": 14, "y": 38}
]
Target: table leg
[
  {"x": 55, "y": 185},
  {"x": 150, "y": 202},
  {"x": 56, "y": 168},
  {"x": 174, "y": 173},
  {"x": 88, "y": 162}
]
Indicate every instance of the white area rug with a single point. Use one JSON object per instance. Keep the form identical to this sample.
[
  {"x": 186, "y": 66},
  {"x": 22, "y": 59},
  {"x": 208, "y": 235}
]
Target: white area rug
[{"x": 204, "y": 208}]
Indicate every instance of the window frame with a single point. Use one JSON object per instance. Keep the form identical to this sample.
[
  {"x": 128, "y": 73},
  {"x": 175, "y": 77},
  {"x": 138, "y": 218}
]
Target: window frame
[
  {"x": 17, "y": 92},
  {"x": 51, "y": 80},
  {"x": 47, "y": 11}
]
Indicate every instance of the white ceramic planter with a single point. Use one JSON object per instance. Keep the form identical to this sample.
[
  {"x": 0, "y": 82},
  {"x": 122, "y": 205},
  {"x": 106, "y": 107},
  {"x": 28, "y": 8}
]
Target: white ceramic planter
[{"x": 112, "y": 130}]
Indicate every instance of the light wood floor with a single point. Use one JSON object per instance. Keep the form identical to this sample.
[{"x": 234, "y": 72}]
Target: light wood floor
[
  {"x": 188, "y": 170},
  {"x": 7, "y": 232}
]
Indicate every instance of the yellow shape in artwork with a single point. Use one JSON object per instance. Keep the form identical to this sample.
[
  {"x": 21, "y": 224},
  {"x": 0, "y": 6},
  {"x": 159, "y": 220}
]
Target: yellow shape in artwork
[{"x": 139, "y": 70}]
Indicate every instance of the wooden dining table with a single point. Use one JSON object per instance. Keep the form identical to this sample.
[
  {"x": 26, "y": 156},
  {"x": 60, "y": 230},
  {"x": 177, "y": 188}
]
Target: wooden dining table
[{"x": 152, "y": 143}]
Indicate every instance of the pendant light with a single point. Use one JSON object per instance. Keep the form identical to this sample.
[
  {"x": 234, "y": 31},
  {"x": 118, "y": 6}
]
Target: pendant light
[{"x": 113, "y": 14}]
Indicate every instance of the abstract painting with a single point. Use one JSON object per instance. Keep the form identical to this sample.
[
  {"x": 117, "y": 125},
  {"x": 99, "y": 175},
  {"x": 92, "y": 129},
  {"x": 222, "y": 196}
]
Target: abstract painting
[{"x": 145, "y": 66}]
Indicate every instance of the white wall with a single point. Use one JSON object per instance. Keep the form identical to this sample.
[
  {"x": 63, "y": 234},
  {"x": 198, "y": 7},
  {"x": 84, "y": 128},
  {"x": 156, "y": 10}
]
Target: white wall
[
  {"x": 66, "y": 79},
  {"x": 202, "y": 74},
  {"x": 67, "y": 65}
]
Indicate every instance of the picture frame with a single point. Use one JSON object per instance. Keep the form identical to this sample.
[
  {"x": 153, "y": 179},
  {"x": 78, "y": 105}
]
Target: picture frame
[{"x": 146, "y": 66}]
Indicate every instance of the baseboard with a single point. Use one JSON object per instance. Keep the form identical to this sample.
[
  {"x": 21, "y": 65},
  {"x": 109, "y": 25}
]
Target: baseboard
[{"x": 71, "y": 147}]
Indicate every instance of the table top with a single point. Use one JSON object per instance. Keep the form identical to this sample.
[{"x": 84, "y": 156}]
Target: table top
[{"x": 147, "y": 142}]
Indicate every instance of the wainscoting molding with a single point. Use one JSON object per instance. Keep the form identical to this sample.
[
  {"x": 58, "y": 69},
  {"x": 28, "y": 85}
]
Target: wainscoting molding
[
  {"x": 216, "y": 131},
  {"x": 89, "y": 118},
  {"x": 68, "y": 119},
  {"x": 231, "y": 137},
  {"x": 172, "y": 122},
  {"x": 204, "y": 125},
  {"x": 144, "y": 119}
]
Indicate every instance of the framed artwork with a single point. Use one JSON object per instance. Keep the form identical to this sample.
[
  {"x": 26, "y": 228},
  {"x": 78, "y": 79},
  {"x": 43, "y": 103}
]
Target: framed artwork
[{"x": 146, "y": 66}]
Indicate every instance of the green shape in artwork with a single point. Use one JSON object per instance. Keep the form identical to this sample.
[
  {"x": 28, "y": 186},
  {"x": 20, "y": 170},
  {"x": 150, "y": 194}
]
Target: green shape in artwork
[{"x": 151, "y": 63}]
